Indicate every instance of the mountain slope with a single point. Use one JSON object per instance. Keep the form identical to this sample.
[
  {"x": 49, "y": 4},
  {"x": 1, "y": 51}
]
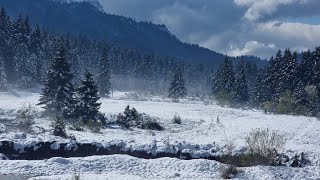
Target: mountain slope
[{"x": 83, "y": 17}]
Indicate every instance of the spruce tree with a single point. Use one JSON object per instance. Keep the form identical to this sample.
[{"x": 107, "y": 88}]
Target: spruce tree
[
  {"x": 316, "y": 68},
  {"x": 302, "y": 99},
  {"x": 258, "y": 92},
  {"x": 305, "y": 70},
  {"x": 58, "y": 93},
  {"x": 87, "y": 94},
  {"x": 177, "y": 88},
  {"x": 288, "y": 78},
  {"x": 104, "y": 78},
  {"x": 227, "y": 76},
  {"x": 273, "y": 74},
  {"x": 217, "y": 83},
  {"x": 240, "y": 90},
  {"x": 3, "y": 76},
  {"x": 223, "y": 81}
]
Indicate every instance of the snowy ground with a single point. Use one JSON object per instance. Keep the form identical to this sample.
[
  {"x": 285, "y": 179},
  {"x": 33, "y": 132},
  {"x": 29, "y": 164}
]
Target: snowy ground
[{"x": 199, "y": 126}]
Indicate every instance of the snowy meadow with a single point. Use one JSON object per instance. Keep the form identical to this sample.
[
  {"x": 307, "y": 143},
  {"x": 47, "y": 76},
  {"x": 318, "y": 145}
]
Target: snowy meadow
[{"x": 206, "y": 128}]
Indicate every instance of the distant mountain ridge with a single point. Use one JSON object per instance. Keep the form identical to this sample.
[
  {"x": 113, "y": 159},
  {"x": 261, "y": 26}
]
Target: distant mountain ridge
[
  {"x": 96, "y": 3},
  {"x": 86, "y": 18}
]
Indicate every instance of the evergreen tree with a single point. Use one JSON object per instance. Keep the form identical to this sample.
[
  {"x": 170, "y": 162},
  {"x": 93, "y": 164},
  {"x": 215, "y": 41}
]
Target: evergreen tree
[
  {"x": 177, "y": 88},
  {"x": 3, "y": 76},
  {"x": 59, "y": 128},
  {"x": 240, "y": 90},
  {"x": 227, "y": 76},
  {"x": 104, "y": 78},
  {"x": 58, "y": 93},
  {"x": 273, "y": 74},
  {"x": 217, "y": 84},
  {"x": 302, "y": 99},
  {"x": 223, "y": 81},
  {"x": 316, "y": 68},
  {"x": 258, "y": 94},
  {"x": 87, "y": 93},
  {"x": 305, "y": 70},
  {"x": 288, "y": 77}
]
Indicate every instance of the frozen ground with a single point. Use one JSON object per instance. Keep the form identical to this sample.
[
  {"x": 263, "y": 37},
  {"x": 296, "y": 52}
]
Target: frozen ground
[{"x": 199, "y": 126}]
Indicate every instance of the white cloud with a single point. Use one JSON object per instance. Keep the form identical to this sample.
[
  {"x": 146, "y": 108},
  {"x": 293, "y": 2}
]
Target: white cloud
[
  {"x": 254, "y": 47},
  {"x": 234, "y": 27},
  {"x": 260, "y": 9}
]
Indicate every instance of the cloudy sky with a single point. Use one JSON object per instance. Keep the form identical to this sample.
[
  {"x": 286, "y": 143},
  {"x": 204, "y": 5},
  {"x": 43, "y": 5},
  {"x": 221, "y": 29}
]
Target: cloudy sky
[{"x": 233, "y": 27}]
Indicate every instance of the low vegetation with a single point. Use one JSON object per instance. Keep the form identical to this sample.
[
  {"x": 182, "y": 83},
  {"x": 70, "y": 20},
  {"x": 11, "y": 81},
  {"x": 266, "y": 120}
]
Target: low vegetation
[
  {"x": 26, "y": 116},
  {"x": 177, "y": 119},
  {"x": 131, "y": 118},
  {"x": 229, "y": 172}
]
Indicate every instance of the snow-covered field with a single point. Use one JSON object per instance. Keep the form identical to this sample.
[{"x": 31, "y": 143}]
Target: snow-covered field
[{"x": 199, "y": 127}]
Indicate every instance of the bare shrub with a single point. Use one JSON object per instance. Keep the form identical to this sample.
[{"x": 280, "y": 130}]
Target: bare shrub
[
  {"x": 176, "y": 119},
  {"x": 264, "y": 142},
  {"x": 229, "y": 172},
  {"x": 25, "y": 116}
]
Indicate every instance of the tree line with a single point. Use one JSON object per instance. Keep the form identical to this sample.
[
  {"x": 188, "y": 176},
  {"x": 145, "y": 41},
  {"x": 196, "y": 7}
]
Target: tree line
[
  {"x": 286, "y": 85},
  {"x": 26, "y": 52}
]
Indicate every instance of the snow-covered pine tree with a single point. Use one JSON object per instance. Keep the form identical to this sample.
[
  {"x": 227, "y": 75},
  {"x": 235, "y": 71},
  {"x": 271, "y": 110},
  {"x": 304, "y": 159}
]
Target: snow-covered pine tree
[
  {"x": 3, "y": 76},
  {"x": 305, "y": 70},
  {"x": 288, "y": 78},
  {"x": 258, "y": 92},
  {"x": 227, "y": 76},
  {"x": 273, "y": 74},
  {"x": 316, "y": 68},
  {"x": 58, "y": 93},
  {"x": 177, "y": 88},
  {"x": 217, "y": 84},
  {"x": 240, "y": 90},
  {"x": 37, "y": 53},
  {"x": 87, "y": 93},
  {"x": 104, "y": 78},
  {"x": 59, "y": 127},
  {"x": 301, "y": 99}
]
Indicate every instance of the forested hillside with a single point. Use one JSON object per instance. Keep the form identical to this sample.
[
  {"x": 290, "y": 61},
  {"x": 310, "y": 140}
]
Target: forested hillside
[{"x": 85, "y": 18}]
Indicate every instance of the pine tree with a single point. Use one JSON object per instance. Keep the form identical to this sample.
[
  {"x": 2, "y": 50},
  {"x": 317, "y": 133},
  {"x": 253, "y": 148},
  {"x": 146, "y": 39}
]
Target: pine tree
[
  {"x": 273, "y": 74},
  {"x": 258, "y": 92},
  {"x": 177, "y": 88},
  {"x": 227, "y": 76},
  {"x": 305, "y": 70},
  {"x": 87, "y": 94},
  {"x": 58, "y": 93},
  {"x": 3, "y": 76},
  {"x": 217, "y": 83},
  {"x": 316, "y": 68},
  {"x": 59, "y": 128},
  {"x": 288, "y": 78},
  {"x": 301, "y": 97},
  {"x": 104, "y": 78},
  {"x": 240, "y": 90},
  {"x": 223, "y": 81}
]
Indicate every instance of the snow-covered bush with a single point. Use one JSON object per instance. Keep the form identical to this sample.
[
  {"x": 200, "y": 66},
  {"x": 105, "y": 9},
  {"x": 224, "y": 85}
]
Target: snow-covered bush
[
  {"x": 94, "y": 126},
  {"x": 76, "y": 175},
  {"x": 298, "y": 160},
  {"x": 137, "y": 96},
  {"x": 229, "y": 172},
  {"x": 176, "y": 119},
  {"x": 59, "y": 128},
  {"x": 131, "y": 118},
  {"x": 264, "y": 142},
  {"x": 26, "y": 116}
]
